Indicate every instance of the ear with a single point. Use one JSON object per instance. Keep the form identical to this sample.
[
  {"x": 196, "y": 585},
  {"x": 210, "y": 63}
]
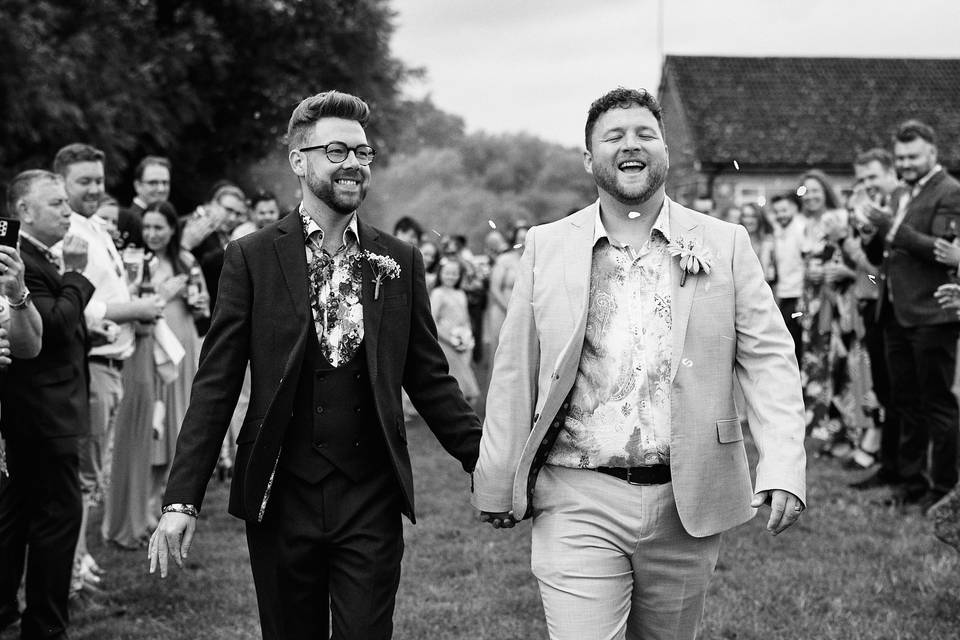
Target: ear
[
  {"x": 297, "y": 161},
  {"x": 23, "y": 212},
  {"x": 588, "y": 162}
]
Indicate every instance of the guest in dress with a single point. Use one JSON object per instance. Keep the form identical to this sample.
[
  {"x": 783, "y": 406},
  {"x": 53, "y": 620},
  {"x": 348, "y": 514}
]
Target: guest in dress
[
  {"x": 431, "y": 261},
  {"x": 758, "y": 226},
  {"x": 449, "y": 306},
  {"x": 831, "y": 322}
]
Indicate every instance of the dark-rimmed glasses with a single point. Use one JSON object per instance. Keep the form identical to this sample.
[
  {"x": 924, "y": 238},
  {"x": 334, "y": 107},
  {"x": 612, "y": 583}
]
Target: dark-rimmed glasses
[{"x": 337, "y": 152}]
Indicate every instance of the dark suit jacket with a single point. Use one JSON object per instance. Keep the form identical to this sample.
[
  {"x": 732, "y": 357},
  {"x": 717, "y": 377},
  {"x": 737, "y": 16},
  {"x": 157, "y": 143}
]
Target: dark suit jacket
[
  {"x": 263, "y": 315},
  {"x": 46, "y": 398},
  {"x": 130, "y": 225},
  {"x": 909, "y": 266}
]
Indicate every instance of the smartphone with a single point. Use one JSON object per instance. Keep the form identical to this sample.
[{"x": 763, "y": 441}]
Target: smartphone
[{"x": 9, "y": 232}]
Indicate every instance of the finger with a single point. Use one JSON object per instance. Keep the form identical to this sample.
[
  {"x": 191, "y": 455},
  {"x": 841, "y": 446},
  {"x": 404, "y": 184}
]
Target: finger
[
  {"x": 509, "y": 523},
  {"x": 496, "y": 523},
  {"x": 152, "y": 553},
  {"x": 759, "y": 498},
  {"x": 187, "y": 541},
  {"x": 162, "y": 554},
  {"x": 777, "y": 508},
  {"x": 484, "y": 517},
  {"x": 175, "y": 549},
  {"x": 791, "y": 514}
]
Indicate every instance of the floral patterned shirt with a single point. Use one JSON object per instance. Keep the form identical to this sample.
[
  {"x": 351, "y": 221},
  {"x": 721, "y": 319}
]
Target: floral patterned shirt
[
  {"x": 619, "y": 412},
  {"x": 335, "y": 286}
]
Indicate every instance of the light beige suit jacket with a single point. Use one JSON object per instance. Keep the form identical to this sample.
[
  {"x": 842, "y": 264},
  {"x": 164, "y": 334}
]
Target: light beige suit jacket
[{"x": 724, "y": 324}]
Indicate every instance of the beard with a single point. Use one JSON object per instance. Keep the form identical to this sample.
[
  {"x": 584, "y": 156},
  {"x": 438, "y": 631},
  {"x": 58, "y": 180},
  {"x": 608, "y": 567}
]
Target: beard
[
  {"x": 326, "y": 191},
  {"x": 605, "y": 175}
]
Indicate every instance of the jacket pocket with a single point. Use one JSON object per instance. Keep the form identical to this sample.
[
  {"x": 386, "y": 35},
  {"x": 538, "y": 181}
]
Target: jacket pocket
[
  {"x": 729, "y": 430},
  {"x": 390, "y": 302},
  {"x": 250, "y": 430}
]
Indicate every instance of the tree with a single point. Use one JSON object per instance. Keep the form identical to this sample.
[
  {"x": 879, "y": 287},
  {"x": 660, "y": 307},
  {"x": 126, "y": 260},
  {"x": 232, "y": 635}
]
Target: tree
[{"x": 209, "y": 83}]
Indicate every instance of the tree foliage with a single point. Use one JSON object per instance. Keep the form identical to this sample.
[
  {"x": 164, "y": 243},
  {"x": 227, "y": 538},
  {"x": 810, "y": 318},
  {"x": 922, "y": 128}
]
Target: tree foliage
[{"x": 210, "y": 83}]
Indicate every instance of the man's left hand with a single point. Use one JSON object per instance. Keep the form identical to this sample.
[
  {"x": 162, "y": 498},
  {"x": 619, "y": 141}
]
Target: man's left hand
[{"x": 785, "y": 508}]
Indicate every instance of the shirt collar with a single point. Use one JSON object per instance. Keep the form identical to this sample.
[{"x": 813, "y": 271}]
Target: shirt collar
[
  {"x": 662, "y": 223},
  {"x": 34, "y": 241},
  {"x": 137, "y": 200},
  {"x": 925, "y": 179},
  {"x": 350, "y": 235}
]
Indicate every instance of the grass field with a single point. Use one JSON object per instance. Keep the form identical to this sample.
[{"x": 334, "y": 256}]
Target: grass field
[{"x": 851, "y": 569}]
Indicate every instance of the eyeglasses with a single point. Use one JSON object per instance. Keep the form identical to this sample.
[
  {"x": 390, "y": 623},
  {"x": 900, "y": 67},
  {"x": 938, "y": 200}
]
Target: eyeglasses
[{"x": 338, "y": 151}]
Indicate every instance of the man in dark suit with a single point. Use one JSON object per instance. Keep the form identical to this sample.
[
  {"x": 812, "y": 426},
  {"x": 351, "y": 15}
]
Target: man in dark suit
[
  {"x": 151, "y": 182},
  {"x": 333, "y": 317},
  {"x": 921, "y": 337},
  {"x": 45, "y": 410}
]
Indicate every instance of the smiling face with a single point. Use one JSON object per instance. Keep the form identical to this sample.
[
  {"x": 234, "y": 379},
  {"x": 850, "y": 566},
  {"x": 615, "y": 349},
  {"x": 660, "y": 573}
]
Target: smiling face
[
  {"x": 628, "y": 156},
  {"x": 876, "y": 179},
  {"x": 84, "y": 185},
  {"x": 450, "y": 273},
  {"x": 814, "y": 198},
  {"x": 154, "y": 185},
  {"x": 914, "y": 159},
  {"x": 265, "y": 212},
  {"x": 156, "y": 232},
  {"x": 341, "y": 186}
]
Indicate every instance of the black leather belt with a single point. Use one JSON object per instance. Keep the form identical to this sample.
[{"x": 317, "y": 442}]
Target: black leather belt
[
  {"x": 107, "y": 362},
  {"x": 654, "y": 474}
]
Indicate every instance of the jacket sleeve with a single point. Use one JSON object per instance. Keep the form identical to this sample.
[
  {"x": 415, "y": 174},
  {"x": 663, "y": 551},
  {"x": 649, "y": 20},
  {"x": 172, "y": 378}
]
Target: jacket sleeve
[
  {"x": 216, "y": 387},
  {"x": 61, "y": 312},
  {"x": 426, "y": 378},
  {"x": 916, "y": 241}
]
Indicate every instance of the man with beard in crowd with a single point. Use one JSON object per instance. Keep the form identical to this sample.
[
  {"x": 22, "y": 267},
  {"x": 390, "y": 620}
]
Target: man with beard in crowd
[
  {"x": 610, "y": 415},
  {"x": 333, "y": 317}
]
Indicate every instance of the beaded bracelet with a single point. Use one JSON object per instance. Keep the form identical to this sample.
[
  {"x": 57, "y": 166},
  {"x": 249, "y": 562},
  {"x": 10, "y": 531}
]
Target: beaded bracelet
[{"x": 187, "y": 509}]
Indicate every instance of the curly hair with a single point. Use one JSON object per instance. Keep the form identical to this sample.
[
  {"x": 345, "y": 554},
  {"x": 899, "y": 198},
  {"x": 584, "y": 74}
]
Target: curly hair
[{"x": 623, "y": 98}]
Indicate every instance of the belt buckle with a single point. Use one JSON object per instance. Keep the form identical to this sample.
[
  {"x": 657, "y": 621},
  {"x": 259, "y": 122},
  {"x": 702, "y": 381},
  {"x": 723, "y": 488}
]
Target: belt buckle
[{"x": 629, "y": 481}]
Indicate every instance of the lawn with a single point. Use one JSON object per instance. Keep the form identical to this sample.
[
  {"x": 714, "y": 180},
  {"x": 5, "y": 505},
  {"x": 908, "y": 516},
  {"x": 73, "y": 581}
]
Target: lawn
[{"x": 851, "y": 569}]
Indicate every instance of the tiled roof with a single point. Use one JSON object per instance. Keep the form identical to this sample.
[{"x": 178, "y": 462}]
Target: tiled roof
[{"x": 810, "y": 111}]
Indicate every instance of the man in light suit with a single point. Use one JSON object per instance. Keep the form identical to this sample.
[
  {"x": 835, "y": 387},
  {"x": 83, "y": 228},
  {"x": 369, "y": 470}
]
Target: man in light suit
[
  {"x": 611, "y": 418},
  {"x": 333, "y": 317}
]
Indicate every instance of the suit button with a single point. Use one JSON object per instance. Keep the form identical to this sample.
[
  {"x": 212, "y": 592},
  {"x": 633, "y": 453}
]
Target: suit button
[
  {"x": 319, "y": 410},
  {"x": 320, "y": 445},
  {"x": 566, "y": 406},
  {"x": 357, "y": 443},
  {"x": 356, "y": 409},
  {"x": 321, "y": 377},
  {"x": 356, "y": 376}
]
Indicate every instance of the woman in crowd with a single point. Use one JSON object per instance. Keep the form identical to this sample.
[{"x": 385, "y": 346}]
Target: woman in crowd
[
  {"x": 755, "y": 222},
  {"x": 831, "y": 323},
  {"x": 431, "y": 261},
  {"x": 502, "y": 277},
  {"x": 449, "y": 305}
]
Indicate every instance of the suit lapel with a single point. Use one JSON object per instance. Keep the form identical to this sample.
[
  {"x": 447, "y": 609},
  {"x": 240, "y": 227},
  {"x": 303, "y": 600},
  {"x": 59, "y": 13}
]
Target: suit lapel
[
  {"x": 291, "y": 253},
  {"x": 372, "y": 308},
  {"x": 681, "y": 224},
  {"x": 578, "y": 249}
]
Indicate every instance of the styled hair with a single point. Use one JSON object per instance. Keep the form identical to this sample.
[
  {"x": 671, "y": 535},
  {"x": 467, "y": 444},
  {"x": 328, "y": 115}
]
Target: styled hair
[
  {"x": 172, "y": 250},
  {"x": 406, "y": 223},
  {"x": 151, "y": 161},
  {"x": 329, "y": 104},
  {"x": 224, "y": 188},
  {"x": 884, "y": 157},
  {"x": 22, "y": 184},
  {"x": 74, "y": 153},
  {"x": 262, "y": 196},
  {"x": 912, "y": 129},
  {"x": 622, "y": 98},
  {"x": 764, "y": 228},
  {"x": 790, "y": 196},
  {"x": 831, "y": 201}
]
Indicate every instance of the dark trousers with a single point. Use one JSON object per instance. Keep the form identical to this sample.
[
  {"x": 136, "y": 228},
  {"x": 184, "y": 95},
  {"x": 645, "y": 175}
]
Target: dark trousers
[
  {"x": 922, "y": 362},
  {"x": 40, "y": 507},
  {"x": 788, "y": 307},
  {"x": 889, "y": 454},
  {"x": 335, "y": 542}
]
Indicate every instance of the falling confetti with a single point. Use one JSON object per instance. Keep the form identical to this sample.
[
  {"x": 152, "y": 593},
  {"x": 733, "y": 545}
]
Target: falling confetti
[
  {"x": 801, "y": 191},
  {"x": 518, "y": 246},
  {"x": 437, "y": 232},
  {"x": 493, "y": 225},
  {"x": 633, "y": 214},
  {"x": 872, "y": 278},
  {"x": 687, "y": 362},
  {"x": 736, "y": 165},
  {"x": 796, "y": 314}
]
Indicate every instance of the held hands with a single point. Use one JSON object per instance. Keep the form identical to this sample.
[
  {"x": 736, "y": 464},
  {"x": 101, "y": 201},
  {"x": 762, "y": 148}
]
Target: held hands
[
  {"x": 785, "y": 508},
  {"x": 173, "y": 538},
  {"x": 948, "y": 296},
  {"x": 11, "y": 273},
  {"x": 499, "y": 519},
  {"x": 74, "y": 253},
  {"x": 947, "y": 253}
]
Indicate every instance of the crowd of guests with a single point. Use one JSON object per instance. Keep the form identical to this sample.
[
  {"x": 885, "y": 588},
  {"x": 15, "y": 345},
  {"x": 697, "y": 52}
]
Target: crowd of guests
[{"x": 103, "y": 309}]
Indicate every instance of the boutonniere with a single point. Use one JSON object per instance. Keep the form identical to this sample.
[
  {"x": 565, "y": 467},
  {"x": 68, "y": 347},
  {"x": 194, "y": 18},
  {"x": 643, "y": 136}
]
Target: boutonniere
[
  {"x": 383, "y": 267},
  {"x": 693, "y": 257}
]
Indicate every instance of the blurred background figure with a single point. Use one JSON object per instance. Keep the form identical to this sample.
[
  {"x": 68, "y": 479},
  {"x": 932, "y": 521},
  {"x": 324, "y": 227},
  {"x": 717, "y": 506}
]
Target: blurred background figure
[
  {"x": 789, "y": 242},
  {"x": 264, "y": 209},
  {"x": 151, "y": 183},
  {"x": 502, "y": 277},
  {"x": 754, "y": 220},
  {"x": 408, "y": 230},
  {"x": 448, "y": 303},
  {"x": 207, "y": 231},
  {"x": 430, "y": 251}
]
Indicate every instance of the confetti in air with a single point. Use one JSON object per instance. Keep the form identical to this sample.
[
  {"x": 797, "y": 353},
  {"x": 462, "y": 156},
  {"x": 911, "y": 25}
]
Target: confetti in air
[
  {"x": 633, "y": 214},
  {"x": 872, "y": 278},
  {"x": 801, "y": 191},
  {"x": 736, "y": 165},
  {"x": 796, "y": 314},
  {"x": 518, "y": 246},
  {"x": 687, "y": 362},
  {"x": 493, "y": 225},
  {"x": 437, "y": 232}
]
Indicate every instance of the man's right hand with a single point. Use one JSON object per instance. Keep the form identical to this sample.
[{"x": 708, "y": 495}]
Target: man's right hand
[
  {"x": 74, "y": 253},
  {"x": 148, "y": 308},
  {"x": 172, "y": 538}
]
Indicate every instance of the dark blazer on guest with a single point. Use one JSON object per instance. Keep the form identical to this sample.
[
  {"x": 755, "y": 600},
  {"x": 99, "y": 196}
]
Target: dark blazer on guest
[
  {"x": 46, "y": 398},
  {"x": 263, "y": 316},
  {"x": 909, "y": 266}
]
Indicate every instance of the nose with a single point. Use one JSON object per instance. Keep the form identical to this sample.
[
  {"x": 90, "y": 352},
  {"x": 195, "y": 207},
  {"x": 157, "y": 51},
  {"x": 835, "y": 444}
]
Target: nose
[{"x": 351, "y": 160}]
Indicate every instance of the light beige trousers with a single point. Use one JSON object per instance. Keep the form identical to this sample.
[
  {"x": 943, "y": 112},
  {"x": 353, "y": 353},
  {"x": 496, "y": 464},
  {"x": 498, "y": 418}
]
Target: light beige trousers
[{"x": 614, "y": 561}]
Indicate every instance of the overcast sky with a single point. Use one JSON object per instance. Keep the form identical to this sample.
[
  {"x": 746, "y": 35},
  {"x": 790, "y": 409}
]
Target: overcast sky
[{"x": 535, "y": 65}]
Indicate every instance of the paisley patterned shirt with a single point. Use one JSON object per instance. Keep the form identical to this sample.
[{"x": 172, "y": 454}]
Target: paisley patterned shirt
[
  {"x": 335, "y": 287},
  {"x": 620, "y": 402}
]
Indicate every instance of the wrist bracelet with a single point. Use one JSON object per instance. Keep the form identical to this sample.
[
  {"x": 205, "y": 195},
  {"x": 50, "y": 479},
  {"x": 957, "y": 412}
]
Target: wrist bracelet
[{"x": 187, "y": 509}]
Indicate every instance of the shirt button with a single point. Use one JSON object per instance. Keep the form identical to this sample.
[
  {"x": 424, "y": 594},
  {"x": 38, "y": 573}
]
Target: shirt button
[
  {"x": 320, "y": 445},
  {"x": 356, "y": 409},
  {"x": 319, "y": 410},
  {"x": 357, "y": 443}
]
